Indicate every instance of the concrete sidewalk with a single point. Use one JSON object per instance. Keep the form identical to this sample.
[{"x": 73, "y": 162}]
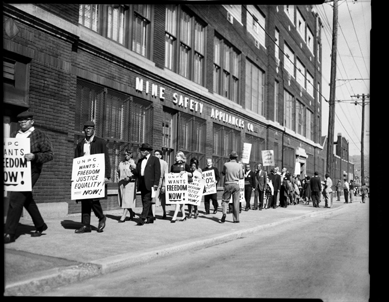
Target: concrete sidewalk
[{"x": 59, "y": 256}]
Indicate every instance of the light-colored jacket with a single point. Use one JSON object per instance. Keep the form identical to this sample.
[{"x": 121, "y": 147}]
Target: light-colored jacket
[{"x": 328, "y": 188}]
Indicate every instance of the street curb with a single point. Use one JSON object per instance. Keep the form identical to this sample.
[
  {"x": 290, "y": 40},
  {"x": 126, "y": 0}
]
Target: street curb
[{"x": 50, "y": 279}]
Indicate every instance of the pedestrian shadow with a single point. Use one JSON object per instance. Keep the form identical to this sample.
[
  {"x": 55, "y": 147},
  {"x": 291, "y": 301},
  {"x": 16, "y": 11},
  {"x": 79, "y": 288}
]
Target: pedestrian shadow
[{"x": 73, "y": 225}]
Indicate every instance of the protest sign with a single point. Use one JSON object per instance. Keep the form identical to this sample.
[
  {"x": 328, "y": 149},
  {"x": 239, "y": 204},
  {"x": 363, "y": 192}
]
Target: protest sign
[
  {"x": 88, "y": 176},
  {"x": 268, "y": 158},
  {"x": 246, "y": 153},
  {"x": 17, "y": 169},
  {"x": 176, "y": 188},
  {"x": 241, "y": 191},
  {"x": 196, "y": 189},
  {"x": 210, "y": 182}
]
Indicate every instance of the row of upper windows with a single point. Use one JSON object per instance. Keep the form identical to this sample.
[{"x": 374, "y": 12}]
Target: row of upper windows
[{"x": 185, "y": 45}]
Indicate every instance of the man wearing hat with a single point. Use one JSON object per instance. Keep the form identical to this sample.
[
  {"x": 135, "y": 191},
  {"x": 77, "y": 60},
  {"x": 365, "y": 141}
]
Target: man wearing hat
[
  {"x": 148, "y": 172},
  {"x": 233, "y": 171},
  {"x": 41, "y": 152},
  {"x": 90, "y": 145},
  {"x": 276, "y": 181}
]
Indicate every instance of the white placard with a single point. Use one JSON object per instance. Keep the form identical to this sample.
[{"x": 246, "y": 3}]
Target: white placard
[
  {"x": 210, "y": 182},
  {"x": 176, "y": 188},
  {"x": 88, "y": 177},
  {"x": 268, "y": 158},
  {"x": 246, "y": 153},
  {"x": 17, "y": 169}
]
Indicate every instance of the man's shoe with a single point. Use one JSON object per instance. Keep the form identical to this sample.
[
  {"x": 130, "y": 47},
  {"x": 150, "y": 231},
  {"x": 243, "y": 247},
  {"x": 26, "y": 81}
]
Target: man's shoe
[
  {"x": 214, "y": 211},
  {"x": 236, "y": 221},
  {"x": 39, "y": 231},
  {"x": 223, "y": 219},
  {"x": 83, "y": 229},
  {"x": 101, "y": 224},
  {"x": 141, "y": 222},
  {"x": 8, "y": 238}
]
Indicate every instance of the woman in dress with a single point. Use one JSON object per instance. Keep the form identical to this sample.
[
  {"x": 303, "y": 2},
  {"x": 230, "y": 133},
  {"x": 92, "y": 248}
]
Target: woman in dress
[
  {"x": 180, "y": 166},
  {"x": 196, "y": 172},
  {"x": 127, "y": 187}
]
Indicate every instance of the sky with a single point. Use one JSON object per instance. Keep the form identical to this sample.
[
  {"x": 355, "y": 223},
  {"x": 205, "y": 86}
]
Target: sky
[{"x": 352, "y": 72}]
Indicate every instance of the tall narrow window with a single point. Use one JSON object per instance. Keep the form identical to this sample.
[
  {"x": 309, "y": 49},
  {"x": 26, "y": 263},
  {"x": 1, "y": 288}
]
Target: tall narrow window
[
  {"x": 256, "y": 23},
  {"x": 116, "y": 17},
  {"x": 276, "y": 91},
  {"x": 170, "y": 36},
  {"x": 277, "y": 45},
  {"x": 289, "y": 60},
  {"x": 199, "y": 53},
  {"x": 300, "y": 73},
  {"x": 300, "y": 121},
  {"x": 309, "y": 118},
  {"x": 309, "y": 84},
  {"x": 255, "y": 88},
  {"x": 288, "y": 110},
  {"x": 88, "y": 16},
  {"x": 289, "y": 10},
  {"x": 141, "y": 29}
]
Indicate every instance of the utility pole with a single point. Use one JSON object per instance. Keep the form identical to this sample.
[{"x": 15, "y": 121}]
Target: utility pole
[
  {"x": 331, "y": 117},
  {"x": 363, "y": 96}
]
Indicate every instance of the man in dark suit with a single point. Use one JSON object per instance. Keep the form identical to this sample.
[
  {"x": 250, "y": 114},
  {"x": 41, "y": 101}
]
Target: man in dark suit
[
  {"x": 276, "y": 181},
  {"x": 90, "y": 145},
  {"x": 148, "y": 172},
  {"x": 315, "y": 184},
  {"x": 249, "y": 185},
  {"x": 260, "y": 186},
  {"x": 41, "y": 152}
]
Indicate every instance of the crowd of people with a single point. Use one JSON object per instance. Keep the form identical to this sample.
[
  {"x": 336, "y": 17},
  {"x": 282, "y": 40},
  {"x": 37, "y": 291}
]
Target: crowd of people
[{"x": 147, "y": 176}]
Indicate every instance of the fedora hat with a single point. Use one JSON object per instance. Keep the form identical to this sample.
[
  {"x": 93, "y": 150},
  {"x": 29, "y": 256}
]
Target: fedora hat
[
  {"x": 233, "y": 154},
  {"x": 89, "y": 124},
  {"x": 145, "y": 146}
]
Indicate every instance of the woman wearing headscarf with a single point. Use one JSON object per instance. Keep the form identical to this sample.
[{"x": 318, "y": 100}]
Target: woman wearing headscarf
[
  {"x": 180, "y": 166},
  {"x": 127, "y": 191}
]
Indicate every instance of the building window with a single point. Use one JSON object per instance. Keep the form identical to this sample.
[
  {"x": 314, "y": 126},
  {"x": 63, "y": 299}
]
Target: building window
[
  {"x": 309, "y": 124},
  {"x": 192, "y": 136},
  {"x": 257, "y": 145},
  {"x": 89, "y": 16},
  {"x": 289, "y": 10},
  {"x": 277, "y": 46},
  {"x": 310, "y": 40},
  {"x": 188, "y": 41},
  {"x": 288, "y": 110},
  {"x": 235, "y": 12},
  {"x": 255, "y": 88},
  {"x": 256, "y": 23},
  {"x": 129, "y": 25},
  {"x": 225, "y": 140},
  {"x": 300, "y": 73},
  {"x": 276, "y": 100},
  {"x": 289, "y": 159},
  {"x": 300, "y": 24},
  {"x": 122, "y": 120},
  {"x": 310, "y": 84},
  {"x": 226, "y": 70},
  {"x": 300, "y": 121},
  {"x": 288, "y": 60}
]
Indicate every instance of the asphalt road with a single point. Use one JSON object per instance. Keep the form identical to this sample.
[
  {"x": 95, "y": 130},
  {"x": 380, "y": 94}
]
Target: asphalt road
[{"x": 316, "y": 257}]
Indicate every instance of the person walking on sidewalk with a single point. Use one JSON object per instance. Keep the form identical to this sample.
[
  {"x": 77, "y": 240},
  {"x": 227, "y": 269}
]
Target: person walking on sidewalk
[
  {"x": 346, "y": 189},
  {"x": 180, "y": 166},
  {"x": 307, "y": 190},
  {"x": 196, "y": 172},
  {"x": 41, "y": 152},
  {"x": 148, "y": 173},
  {"x": 364, "y": 192},
  {"x": 328, "y": 191},
  {"x": 277, "y": 171},
  {"x": 315, "y": 183},
  {"x": 127, "y": 185},
  {"x": 351, "y": 192},
  {"x": 161, "y": 197},
  {"x": 276, "y": 181},
  {"x": 233, "y": 172},
  {"x": 260, "y": 186},
  {"x": 90, "y": 145},
  {"x": 338, "y": 190},
  {"x": 249, "y": 185},
  {"x": 213, "y": 197}
]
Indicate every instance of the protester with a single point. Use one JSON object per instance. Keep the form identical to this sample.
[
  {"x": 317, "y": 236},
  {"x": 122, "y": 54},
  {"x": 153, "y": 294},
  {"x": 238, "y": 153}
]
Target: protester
[
  {"x": 40, "y": 152},
  {"x": 249, "y": 185},
  {"x": 276, "y": 182},
  {"x": 364, "y": 191},
  {"x": 180, "y": 166},
  {"x": 307, "y": 190},
  {"x": 315, "y": 184},
  {"x": 351, "y": 190},
  {"x": 90, "y": 145},
  {"x": 148, "y": 173},
  {"x": 260, "y": 186},
  {"x": 346, "y": 189},
  {"x": 160, "y": 195},
  {"x": 338, "y": 190},
  {"x": 328, "y": 191},
  {"x": 277, "y": 172},
  {"x": 233, "y": 172},
  {"x": 196, "y": 172},
  {"x": 127, "y": 185},
  {"x": 269, "y": 193},
  {"x": 213, "y": 196}
]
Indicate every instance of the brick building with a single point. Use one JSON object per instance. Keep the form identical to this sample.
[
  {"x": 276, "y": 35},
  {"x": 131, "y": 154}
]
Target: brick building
[{"x": 199, "y": 78}]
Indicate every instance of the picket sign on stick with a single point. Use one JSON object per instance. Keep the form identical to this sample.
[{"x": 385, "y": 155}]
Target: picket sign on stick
[
  {"x": 246, "y": 153},
  {"x": 210, "y": 182},
  {"x": 88, "y": 177},
  {"x": 17, "y": 169},
  {"x": 176, "y": 188},
  {"x": 268, "y": 158}
]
